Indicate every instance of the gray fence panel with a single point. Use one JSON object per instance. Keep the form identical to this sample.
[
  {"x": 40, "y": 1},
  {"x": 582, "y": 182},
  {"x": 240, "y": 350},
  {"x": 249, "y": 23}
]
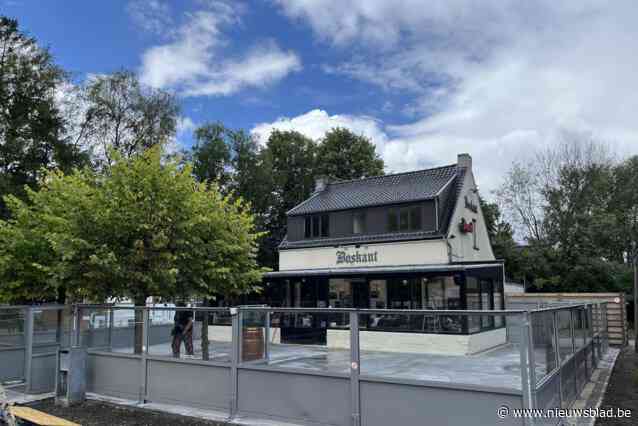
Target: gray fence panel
[
  {"x": 11, "y": 364},
  {"x": 112, "y": 375},
  {"x": 294, "y": 397},
  {"x": 513, "y": 324},
  {"x": 43, "y": 367},
  {"x": 385, "y": 404},
  {"x": 548, "y": 397},
  {"x": 199, "y": 386},
  {"x": 568, "y": 382}
]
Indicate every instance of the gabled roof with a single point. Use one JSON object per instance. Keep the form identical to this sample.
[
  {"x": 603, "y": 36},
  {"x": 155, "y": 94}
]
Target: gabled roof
[{"x": 378, "y": 190}]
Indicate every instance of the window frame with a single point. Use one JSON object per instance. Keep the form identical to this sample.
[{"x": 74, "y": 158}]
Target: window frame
[
  {"x": 362, "y": 226},
  {"x": 307, "y": 227},
  {"x": 324, "y": 225},
  {"x": 396, "y": 214},
  {"x": 319, "y": 223}
]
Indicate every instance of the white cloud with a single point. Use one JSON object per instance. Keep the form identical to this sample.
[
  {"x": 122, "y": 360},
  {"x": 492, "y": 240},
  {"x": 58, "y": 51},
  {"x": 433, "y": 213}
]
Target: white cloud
[
  {"x": 151, "y": 15},
  {"x": 185, "y": 126},
  {"x": 195, "y": 62},
  {"x": 497, "y": 80},
  {"x": 314, "y": 124},
  {"x": 183, "y": 135}
]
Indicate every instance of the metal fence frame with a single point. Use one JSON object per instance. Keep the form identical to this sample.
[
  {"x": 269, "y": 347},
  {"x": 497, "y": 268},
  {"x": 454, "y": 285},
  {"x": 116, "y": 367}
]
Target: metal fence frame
[{"x": 594, "y": 345}]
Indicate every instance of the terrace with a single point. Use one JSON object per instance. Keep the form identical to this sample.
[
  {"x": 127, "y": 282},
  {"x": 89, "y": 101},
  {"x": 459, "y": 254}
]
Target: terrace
[{"x": 241, "y": 370}]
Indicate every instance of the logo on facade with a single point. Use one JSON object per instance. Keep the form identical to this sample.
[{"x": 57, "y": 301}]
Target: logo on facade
[
  {"x": 356, "y": 257},
  {"x": 469, "y": 204}
]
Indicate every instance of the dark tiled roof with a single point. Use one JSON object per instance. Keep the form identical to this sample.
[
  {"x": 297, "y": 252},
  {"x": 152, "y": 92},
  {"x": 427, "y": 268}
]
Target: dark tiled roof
[
  {"x": 448, "y": 209},
  {"x": 359, "y": 239},
  {"x": 378, "y": 190}
]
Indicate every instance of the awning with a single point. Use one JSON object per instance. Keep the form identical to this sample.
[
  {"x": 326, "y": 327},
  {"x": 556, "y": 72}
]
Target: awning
[{"x": 380, "y": 270}]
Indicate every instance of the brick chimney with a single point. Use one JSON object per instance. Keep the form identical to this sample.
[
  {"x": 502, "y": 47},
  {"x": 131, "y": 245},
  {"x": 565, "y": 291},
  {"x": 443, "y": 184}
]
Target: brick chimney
[{"x": 464, "y": 161}]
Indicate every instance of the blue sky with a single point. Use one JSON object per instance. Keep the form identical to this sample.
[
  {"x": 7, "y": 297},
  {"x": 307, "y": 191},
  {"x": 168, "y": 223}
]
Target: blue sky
[{"x": 499, "y": 81}]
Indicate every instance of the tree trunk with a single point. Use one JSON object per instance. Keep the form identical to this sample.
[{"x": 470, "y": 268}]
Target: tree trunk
[{"x": 139, "y": 324}]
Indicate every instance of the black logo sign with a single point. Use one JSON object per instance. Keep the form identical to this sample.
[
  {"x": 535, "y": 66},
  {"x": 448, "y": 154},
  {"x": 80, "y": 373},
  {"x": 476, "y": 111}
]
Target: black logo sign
[{"x": 356, "y": 257}]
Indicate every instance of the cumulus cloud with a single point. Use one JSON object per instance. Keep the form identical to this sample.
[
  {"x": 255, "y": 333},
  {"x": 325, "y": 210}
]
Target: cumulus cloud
[
  {"x": 151, "y": 15},
  {"x": 497, "y": 79},
  {"x": 314, "y": 124},
  {"x": 195, "y": 61}
]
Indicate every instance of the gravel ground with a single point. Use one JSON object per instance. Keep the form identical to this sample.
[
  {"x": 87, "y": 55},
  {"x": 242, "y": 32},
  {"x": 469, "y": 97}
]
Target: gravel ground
[
  {"x": 96, "y": 413},
  {"x": 622, "y": 391}
]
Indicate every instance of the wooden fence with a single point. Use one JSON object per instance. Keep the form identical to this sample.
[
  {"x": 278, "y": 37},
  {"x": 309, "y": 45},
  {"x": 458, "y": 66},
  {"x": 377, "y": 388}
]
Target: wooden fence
[{"x": 616, "y": 308}]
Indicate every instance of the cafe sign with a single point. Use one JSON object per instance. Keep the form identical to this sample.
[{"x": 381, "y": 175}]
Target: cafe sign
[{"x": 357, "y": 257}]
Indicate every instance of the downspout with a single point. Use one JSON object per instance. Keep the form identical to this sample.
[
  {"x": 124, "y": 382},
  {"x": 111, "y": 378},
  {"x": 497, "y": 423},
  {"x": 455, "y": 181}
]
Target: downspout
[{"x": 436, "y": 213}]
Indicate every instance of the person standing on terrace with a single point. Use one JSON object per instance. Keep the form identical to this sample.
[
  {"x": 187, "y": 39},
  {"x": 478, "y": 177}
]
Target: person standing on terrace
[{"x": 183, "y": 331}]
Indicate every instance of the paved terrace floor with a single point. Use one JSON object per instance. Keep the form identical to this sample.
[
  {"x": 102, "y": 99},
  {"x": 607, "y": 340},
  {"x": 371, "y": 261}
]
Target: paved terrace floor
[{"x": 498, "y": 367}]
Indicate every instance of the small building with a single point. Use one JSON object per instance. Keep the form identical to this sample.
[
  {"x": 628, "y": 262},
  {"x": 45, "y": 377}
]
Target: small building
[{"x": 414, "y": 240}]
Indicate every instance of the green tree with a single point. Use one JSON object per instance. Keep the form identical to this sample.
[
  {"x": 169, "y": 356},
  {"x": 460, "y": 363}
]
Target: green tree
[
  {"x": 345, "y": 155},
  {"x": 31, "y": 125},
  {"x": 123, "y": 117},
  {"x": 502, "y": 239},
  {"x": 624, "y": 209},
  {"x": 211, "y": 154},
  {"x": 290, "y": 158},
  {"x": 144, "y": 229}
]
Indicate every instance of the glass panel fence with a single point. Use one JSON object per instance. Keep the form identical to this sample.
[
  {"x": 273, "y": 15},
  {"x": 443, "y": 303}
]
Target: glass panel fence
[
  {"x": 187, "y": 333},
  {"x": 11, "y": 327},
  {"x": 565, "y": 341},
  {"x": 216, "y": 336},
  {"x": 112, "y": 329},
  {"x": 568, "y": 382},
  {"x": 483, "y": 358},
  {"x": 578, "y": 321},
  {"x": 544, "y": 344},
  {"x": 52, "y": 327},
  {"x": 306, "y": 340}
]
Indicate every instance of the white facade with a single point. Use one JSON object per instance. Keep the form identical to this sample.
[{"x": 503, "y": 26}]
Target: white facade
[
  {"x": 423, "y": 252},
  {"x": 472, "y": 246}
]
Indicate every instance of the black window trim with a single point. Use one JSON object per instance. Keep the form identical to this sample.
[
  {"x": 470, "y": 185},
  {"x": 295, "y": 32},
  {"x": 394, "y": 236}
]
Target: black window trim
[
  {"x": 323, "y": 226},
  {"x": 364, "y": 226},
  {"x": 407, "y": 210}
]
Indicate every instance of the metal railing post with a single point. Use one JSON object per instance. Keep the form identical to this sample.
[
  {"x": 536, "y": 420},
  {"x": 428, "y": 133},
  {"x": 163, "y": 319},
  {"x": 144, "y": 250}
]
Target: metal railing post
[
  {"x": 355, "y": 367},
  {"x": 110, "y": 332},
  {"x": 532, "y": 360},
  {"x": 76, "y": 327},
  {"x": 525, "y": 366},
  {"x": 267, "y": 336},
  {"x": 28, "y": 348},
  {"x": 143, "y": 359},
  {"x": 571, "y": 325},
  {"x": 559, "y": 364},
  {"x": 234, "y": 360},
  {"x": 571, "y": 330}
]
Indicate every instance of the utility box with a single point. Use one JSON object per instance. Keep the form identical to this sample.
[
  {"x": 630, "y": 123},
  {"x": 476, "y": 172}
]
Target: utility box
[{"x": 70, "y": 383}]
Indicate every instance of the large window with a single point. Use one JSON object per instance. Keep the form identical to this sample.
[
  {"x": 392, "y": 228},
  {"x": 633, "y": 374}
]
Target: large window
[
  {"x": 405, "y": 219},
  {"x": 325, "y": 225},
  {"x": 393, "y": 221},
  {"x": 473, "y": 298},
  {"x": 359, "y": 223},
  {"x": 404, "y": 294},
  {"x": 487, "y": 303},
  {"x": 317, "y": 226}
]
